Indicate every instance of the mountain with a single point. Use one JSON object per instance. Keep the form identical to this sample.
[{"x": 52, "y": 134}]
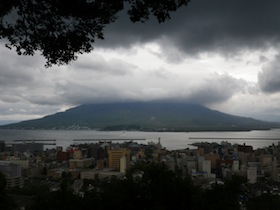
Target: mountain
[{"x": 150, "y": 116}]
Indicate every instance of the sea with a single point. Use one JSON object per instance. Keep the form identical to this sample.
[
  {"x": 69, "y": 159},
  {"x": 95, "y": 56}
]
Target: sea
[{"x": 169, "y": 140}]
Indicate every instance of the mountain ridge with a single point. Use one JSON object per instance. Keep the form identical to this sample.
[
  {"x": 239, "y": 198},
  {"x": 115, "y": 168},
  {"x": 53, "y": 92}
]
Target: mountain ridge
[{"x": 146, "y": 116}]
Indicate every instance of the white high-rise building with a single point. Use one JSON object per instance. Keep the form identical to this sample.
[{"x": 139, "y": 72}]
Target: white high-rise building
[{"x": 206, "y": 167}]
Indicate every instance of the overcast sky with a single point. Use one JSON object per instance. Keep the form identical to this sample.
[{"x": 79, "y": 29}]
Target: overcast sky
[{"x": 221, "y": 54}]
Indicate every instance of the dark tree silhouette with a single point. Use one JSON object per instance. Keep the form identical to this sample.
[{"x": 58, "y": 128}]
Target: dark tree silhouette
[
  {"x": 154, "y": 186},
  {"x": 5, "y": 201},
  {"x": 61, "y": 29},
  {"x": 225, "y": 196},
  {"x": 263, "y": 202}
]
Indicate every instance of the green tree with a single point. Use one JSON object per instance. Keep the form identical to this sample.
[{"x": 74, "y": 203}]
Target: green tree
[{"x": 61, "y": 29}]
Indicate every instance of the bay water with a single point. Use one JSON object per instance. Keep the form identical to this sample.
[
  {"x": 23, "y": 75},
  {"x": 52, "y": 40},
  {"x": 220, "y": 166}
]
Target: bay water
[{"x": 170, "y": 140}]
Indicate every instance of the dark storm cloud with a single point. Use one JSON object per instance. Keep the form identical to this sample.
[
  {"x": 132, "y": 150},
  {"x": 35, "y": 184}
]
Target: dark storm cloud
[
  {"x": 269, "y": 78},
  {"x": 205, "y": 26}
]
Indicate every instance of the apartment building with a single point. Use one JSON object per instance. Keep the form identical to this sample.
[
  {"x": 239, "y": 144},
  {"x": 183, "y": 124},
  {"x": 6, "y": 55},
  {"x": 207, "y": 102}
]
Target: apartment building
[{"x": 115, "y": 156}]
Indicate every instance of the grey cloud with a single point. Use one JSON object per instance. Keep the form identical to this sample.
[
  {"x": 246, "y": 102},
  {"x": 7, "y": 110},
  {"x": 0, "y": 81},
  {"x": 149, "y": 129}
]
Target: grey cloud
[
  {"x": 91, "y": 95},
  {"x": 11, "y": 71},
  {"x": 12, "y": 78},
  {"x": 162, "y": 73},
  {"x": 269, "y": 77},
  {"x": 45, "y": 100},
  {"x": 75, "y": 93},
  {"x": 205, "y": 26},
  {"x": 268, "y": 115},
  {"x": 19, "y": 74},
  {"x": 215, "y": 89},
  {"x": 6, "y": 109},
  {"x": 10, "y": 98},
  {"x": 263, "y": 59},
  {"x": 17, "y": 110},
  {"x": 101, "y": 65},
  {"x": 154, "y": 85}
]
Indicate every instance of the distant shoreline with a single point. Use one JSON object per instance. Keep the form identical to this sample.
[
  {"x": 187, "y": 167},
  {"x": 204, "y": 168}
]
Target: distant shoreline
[{"x": 149, "y": 130}]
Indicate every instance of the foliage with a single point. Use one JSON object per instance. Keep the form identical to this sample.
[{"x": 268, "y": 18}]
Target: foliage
[
  {"x": 264, "y": 202},
  {"x": 57, "y": 201},
  {"x": 227, "y": 195},
  {"x": 3, "y": 182},
  {"x": 5, "y": 200},
  {"x": 61, "y": 29},
  {"x": 29, "y": 189},
  {"x": 157, "y": 187}
]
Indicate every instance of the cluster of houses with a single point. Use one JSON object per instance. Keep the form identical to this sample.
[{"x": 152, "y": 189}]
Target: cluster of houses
[{"x": 207, "y": 163}]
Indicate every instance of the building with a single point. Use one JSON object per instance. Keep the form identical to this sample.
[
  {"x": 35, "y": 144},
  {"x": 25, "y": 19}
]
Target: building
[
  {"x": 96, "y": 152},
  {"x": 235, "y": 166},
  {"x": 62, "y": 156},
  {"x": 252, "y": 174},
  {"x": 213, "y": 158},
  {"x": 123, "y": 164},
  {"x": 56, "y": 173},
  {"x": 200, "y": 160},
  {"x": 89, "y": 174},
  {"x": 83, "y": 163},
  {"x": 266, "y": 160},
  {"x": 191, "y": 165},
  {"x": 2, "y": 146},
  {"x": 77, "y": 154},
  {"x": 12, "y": 173},
  {"x": 28, "y": 147},
  {"x": 206, "y": 167},
  {"x": 100, "y": 174},
  {"x": 115, "y": 157},
  {"x": 24, "y": 164},
  {"x": 245, "y": 148},
  {"x": 100, "y": 164}
]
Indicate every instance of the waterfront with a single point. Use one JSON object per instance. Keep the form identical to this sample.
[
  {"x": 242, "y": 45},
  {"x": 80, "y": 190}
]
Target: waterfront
[
  {"x": 82, "y": 165},
  {"x": 170, "y": 140}
]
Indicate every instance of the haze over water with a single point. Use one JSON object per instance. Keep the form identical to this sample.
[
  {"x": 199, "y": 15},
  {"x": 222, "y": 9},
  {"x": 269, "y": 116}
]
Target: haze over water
[{"x": 170, "y": 140}]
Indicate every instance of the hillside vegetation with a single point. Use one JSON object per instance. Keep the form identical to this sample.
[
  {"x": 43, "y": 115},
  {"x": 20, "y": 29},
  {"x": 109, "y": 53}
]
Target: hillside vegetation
[{"x": 143, "y": 116}]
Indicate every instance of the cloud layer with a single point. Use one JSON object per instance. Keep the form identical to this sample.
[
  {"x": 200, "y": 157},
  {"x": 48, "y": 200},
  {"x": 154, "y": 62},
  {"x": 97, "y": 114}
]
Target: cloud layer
[
  {"x": 222, "y": 54},
  {"x": 269, "y": 77}
]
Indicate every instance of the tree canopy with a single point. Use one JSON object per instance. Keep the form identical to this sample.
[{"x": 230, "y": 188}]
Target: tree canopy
[{"x": 62, "y": 29}]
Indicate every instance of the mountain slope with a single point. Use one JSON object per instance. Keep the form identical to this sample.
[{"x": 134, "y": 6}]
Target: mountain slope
[{"x": 143, "y": 116}]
